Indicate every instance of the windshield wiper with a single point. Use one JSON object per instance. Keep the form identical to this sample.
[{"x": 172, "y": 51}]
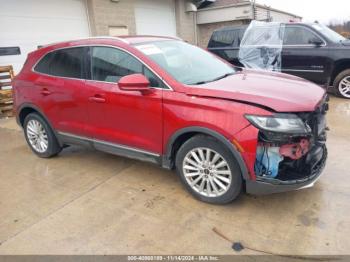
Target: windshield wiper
[
  {"x": 224, "y": 76},
  {"x": 213, "y": 80}
]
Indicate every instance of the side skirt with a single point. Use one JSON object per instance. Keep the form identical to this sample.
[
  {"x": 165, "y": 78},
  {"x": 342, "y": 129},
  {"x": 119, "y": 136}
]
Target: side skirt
[{"x": 112, "y": 148}]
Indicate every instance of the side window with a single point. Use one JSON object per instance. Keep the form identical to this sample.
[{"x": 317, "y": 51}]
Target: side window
[
  {"x": 66, "y": 62},
  {"x": 224, "y": 38},
  {"x": 153, "y": 79},
  {"x": 110, "y": 64},
  {"x": 299, "y": 36},
  {"x": 43, "y": 65}
]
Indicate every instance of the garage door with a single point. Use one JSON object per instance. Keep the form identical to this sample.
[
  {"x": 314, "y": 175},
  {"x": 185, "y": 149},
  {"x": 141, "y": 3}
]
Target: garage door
[
  {"x": 30, "y": 23},
  {"x": 155, "y": 17}
]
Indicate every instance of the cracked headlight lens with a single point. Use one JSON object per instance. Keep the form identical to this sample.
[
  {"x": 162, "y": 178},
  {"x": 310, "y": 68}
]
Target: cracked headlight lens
[{"x": 281, "y": 123}]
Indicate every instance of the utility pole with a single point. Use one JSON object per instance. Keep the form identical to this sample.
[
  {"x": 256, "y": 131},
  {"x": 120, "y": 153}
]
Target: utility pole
[
  {"x": 269, "y": 18},
  {"x": 253, "y": 9}
]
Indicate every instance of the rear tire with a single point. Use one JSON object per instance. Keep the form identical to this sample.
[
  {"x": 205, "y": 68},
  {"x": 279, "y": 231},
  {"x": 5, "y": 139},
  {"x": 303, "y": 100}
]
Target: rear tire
[
  {"x": 342, "y": 84},
  {"x": 40, "y": 137},
  {"x": 208, "y": 170}
]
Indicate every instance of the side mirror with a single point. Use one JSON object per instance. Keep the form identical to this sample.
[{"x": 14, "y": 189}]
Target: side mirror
[
  {"x": 316, "y": 42},
  {"x": 134, "y": 82}
]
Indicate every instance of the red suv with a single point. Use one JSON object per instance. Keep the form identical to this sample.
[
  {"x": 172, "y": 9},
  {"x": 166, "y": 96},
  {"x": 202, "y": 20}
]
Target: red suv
[{"x": 162, "y": 100}]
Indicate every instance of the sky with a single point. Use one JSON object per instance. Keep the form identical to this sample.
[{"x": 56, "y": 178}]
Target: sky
[{"x": 324, "y": 11}]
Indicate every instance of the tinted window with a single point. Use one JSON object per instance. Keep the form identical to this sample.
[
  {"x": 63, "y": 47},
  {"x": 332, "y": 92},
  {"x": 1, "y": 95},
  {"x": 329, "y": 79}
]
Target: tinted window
[
  {"x": 224, "y": 38},
  {"x": 110, "y": 64},
  {"x": 43, "y": 65},
  {"x": 65, "y": 63},
  {"x": 15, "y": 50},
  {"x": 299, "y": 36},
  {"x": 153, "y": 79}
]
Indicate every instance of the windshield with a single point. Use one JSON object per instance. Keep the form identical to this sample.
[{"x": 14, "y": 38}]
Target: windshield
[
  {"x": 329, "y": 33},
  {"x": 186, "y": 63}
]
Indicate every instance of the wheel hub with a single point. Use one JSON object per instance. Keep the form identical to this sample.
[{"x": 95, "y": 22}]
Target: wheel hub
[
  {"x": 37, "y": 136},
  {"x": 207, "y": 172},
  {"x": 344, "y": 87}
]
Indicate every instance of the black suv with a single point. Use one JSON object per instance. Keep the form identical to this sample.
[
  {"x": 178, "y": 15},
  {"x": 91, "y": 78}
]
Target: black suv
[{"x": 311, "y": 51}]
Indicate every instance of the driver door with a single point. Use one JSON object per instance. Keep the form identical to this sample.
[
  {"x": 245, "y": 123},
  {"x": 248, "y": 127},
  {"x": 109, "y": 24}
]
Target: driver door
[
  {"x": 131, "y": 119},
  {"x": 301, "y": 57}
]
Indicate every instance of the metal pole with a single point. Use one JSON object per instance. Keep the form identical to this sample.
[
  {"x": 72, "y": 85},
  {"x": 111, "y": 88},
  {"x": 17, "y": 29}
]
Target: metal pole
[
  {"x": 253, "y": 9},
  {"x": 195, "y": 28}
]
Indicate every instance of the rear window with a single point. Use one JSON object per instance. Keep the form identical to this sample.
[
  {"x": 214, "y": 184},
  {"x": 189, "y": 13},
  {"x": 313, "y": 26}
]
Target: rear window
[
  {"x": 226, "y": 38},
  {"x": 64, "y": 63}
]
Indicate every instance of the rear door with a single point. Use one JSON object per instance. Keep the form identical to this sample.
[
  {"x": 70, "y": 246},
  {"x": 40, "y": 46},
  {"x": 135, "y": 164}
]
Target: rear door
[
  {"x": 59, "y": 89},
  {"x": 301, "y": 57}
]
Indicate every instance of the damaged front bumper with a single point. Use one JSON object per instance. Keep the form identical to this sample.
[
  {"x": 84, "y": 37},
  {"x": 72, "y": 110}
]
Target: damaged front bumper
[
  {"x": 286, "y": 162},
  {"x": 265, "y": 185}
]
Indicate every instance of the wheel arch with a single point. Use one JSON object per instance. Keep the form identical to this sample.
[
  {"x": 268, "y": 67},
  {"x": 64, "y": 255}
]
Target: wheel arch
[
  {"x": 182, "y": 135},
  {"x": 339, "y": 67},
  {"x": 26, "y": 109}
]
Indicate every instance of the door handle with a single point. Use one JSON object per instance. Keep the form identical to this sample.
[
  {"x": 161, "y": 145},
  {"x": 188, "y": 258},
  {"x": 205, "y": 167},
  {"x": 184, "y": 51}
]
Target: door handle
[
  {"x": 45, "y": 92},
  {"x": 97, "y": 99}
]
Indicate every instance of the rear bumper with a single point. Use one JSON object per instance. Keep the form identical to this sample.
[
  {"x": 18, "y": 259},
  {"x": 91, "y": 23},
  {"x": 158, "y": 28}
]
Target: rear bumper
[{"x": 265, "y": 187}]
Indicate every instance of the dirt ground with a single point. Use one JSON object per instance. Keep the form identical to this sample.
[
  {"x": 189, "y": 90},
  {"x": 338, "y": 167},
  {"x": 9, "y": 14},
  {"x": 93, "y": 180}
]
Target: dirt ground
[{"x": 86, "y": 202}]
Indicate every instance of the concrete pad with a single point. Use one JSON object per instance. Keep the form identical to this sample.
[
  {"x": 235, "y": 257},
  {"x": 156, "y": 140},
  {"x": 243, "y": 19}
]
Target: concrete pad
[
  {"x": 85, "y": 202},
  {"x": 31, "y": 188}
]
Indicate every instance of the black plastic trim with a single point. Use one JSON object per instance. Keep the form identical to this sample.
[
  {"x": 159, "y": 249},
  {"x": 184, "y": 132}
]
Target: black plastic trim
[{"x": 111, "y": 148}]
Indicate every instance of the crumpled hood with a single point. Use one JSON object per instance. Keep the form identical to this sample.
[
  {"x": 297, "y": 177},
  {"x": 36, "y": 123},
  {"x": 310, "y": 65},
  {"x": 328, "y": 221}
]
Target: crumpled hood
[{"x": 280, "y": 92}]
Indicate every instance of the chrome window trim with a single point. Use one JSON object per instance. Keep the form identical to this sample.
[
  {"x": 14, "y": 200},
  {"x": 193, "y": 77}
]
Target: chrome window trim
[
  {"x": 169, "y": 88},
  {"x": 306, "y": 45},
  {"x": 302, "y": 70},
  {"x": 108, "y": 143}
]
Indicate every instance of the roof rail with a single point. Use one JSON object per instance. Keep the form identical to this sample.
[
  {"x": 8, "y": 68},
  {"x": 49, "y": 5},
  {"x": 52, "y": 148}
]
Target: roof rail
[
  {"x": 107, "y": 37},
  {"x": 86, "y": 38}
]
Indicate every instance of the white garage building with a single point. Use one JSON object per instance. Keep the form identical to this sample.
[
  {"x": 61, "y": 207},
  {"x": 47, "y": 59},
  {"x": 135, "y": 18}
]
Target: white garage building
[{"x": 27, "y": 24}]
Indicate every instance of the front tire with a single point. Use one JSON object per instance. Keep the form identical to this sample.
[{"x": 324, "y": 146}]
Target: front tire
[
  {"x": 40, "y": 137},
  {"x": 342, "y": 84},
  {"x": 208, "y": 170}
]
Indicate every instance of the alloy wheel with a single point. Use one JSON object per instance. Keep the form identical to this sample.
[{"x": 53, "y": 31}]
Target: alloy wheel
[
  {"x": 207, "y": 172},
  {"x": 37, "y": 136},
  {"x": 344, "y": 87}
]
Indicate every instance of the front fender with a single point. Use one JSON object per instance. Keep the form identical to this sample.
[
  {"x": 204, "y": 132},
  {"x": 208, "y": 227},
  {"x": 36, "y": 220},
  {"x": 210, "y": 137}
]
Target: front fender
[{"x": 168, "y": 161}]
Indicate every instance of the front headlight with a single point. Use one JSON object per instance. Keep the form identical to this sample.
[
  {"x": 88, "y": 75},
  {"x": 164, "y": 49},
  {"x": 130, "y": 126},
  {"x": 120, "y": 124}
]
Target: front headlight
[{"x": 282, "y": 123}]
